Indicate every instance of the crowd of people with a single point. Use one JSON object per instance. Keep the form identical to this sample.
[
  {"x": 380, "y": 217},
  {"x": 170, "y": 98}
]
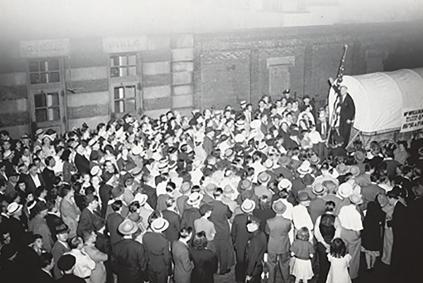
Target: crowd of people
[{"x": 254, "y": 191}]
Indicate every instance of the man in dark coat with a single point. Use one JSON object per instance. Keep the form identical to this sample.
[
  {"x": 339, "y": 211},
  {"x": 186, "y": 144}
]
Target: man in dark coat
[
  {"x": 347, "y": 114},
  {"x": 256, "y": 247},
  {"x": 414, "y": 224},
  {"x": 33, "y": 180},
  {"x": 128, "y": 256},
  {"x": 172, "y": 233},
  {"x": 157, "y": 250},
  {"x": 66, "y": 264},
  {"x": 205, "y": 260},
  {"x": 89, "y": 219},
  {"x": 240, "y": 237},
  {"x": 219, "y": 216},
  {"x": 81, "y": 162},
  {"x": 399, "y": 229},
  {"x": 44, "y": 275},
  {"x": 48, "y": 174},
  {"x": 113, "y": 221}
]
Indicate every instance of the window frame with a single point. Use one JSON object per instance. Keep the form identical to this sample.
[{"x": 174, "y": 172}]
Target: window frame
[
  {"x": 48, "y": 87},
  {"x": 126, "y": 81}
]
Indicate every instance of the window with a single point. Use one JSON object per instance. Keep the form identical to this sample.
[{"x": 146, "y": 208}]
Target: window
[
  {"x": 47, "y": 106},
  {"x": 44, "y": 71},
  {"x": 123, "y": 65},
  {"x": 125, "y": 99}
]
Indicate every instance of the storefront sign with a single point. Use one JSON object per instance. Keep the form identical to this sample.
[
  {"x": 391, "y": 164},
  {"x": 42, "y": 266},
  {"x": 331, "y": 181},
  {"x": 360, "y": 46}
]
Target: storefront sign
[
  {"x": 412, "y": 119},
  {"x": 44, "y": 48},
  {"x": 127, "y": 44}
]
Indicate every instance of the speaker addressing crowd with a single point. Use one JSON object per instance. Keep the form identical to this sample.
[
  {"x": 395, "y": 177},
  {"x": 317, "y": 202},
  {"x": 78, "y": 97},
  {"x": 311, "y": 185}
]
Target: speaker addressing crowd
[{"x": 257, "y": 191}]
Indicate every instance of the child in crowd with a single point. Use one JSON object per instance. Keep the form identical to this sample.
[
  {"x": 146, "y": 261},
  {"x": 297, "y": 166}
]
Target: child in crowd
[
  {"x": 339, "y": 259},
  {"x": 302, "y": 251}
]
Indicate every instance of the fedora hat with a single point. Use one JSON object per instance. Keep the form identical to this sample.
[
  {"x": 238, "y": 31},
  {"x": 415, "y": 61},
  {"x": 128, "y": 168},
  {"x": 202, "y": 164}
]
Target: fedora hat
[
  {"x": 345, "y": 190},
  {"x": 278, "y": 206},
  {"x": 318, "y": 189},
  {"x": 194, "y": 198},
  {"x": 263, "y": 177},
  {"x": 284, "y": 184},
  {"x": 127, "y": 227},
  {"x": 305, "y": 168},
  {"x": 159, "y": 225},
  {"x": 13, "y": 207},
  {"x": 248, "y": 205},
  {"x": 141, "y": 198}
]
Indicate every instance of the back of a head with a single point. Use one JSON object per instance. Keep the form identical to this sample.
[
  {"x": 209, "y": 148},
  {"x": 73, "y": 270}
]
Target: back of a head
[
  {"x": 338, "y": 248},
  {"x": 200, "y": 240}
]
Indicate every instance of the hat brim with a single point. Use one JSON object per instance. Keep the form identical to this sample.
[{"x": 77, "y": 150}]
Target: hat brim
[
  {"x": 162, "y": 229},
  {"x": 130, "y": 232}
]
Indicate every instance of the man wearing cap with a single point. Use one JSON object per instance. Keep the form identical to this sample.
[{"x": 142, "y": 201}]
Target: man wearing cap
[
  {"x": 261, "y": 188},
  {"x": 66, "y": 264},
  {"x": 317, "y": 204},
  {"x": 192, "y": 211},
  {"x": 219, "y": 216},
  {"x": 240, "y": 237},
  {"x": 128, "y": 258},
  {"x": 14, "y": 223},
  {"x": 157, "y": 251},
  {"x": 278, "y": 229}
]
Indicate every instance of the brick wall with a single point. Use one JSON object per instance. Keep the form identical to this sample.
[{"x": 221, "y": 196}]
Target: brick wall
[{"x": 238, "y": 65}]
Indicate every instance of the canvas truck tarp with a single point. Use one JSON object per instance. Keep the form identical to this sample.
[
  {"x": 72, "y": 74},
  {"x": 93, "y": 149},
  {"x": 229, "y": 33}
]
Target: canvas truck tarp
[{"x": 380, "y": 98}]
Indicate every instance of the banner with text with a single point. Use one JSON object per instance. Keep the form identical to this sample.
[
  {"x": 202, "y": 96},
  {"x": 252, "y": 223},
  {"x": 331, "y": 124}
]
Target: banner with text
[{"x": 412, "y": 119}]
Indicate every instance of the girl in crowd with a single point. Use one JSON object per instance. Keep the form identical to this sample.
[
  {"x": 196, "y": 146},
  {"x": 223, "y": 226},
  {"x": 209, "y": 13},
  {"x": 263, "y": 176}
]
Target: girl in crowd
[
  {"x": 339, "y": 262},
  {"x": 302, "y": 252}
]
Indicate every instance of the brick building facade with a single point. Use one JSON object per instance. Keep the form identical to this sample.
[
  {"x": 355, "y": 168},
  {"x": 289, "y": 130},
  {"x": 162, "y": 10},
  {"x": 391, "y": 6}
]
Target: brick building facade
[{"x": 62, "y": 83}]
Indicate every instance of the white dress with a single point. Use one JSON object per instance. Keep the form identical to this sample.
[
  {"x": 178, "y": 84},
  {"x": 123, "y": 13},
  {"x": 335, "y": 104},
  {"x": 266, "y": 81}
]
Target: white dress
[{"x": 338, "y": 272}]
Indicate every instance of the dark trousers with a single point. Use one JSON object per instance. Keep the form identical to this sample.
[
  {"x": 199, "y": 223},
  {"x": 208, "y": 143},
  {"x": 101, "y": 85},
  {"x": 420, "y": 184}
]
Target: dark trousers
[
  {"x": 158, "y": 276},
  {"x": 345, "y": 132},
  {"x": 324, "y": 263},
  {"x": 240, "y": 265},
  {"x": 224, "y": 252},
  {"x": 278, "y": 262}
]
